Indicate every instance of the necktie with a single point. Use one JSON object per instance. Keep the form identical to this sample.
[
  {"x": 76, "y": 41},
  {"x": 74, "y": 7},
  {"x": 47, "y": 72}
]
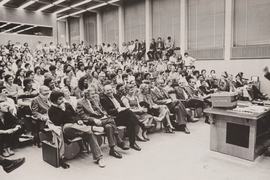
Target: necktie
[
  {"x": 115, "y": 103},
  {"x": 91, "y": 108}
]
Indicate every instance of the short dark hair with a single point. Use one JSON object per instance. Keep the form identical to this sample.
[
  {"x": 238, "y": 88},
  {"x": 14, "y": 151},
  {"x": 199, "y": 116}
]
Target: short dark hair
[
  {"x": 55, "y": 95},
  {"x": 47, "y": 81},
  {"x": 124, "y": 76},
  {"x": 28, "y": 73},
  {"x": 7, "y": 77},
  {"x": 196, "y": 72},
  {"x": 112, "y": 75},
  {"x": 189, "y": 78},
  {"x": 36, "y": 68},
  {"x": 103, "y": 67},
  {"x": 26, "y": 81},
  {"x": 118, "y": 86},
  {"x": 1, "y": 88},
  {"x": 52, "y": 68},
  {"x": 26, "y": 65},
  {"x": 128, "y": 70},
  {"x": 19, "y": 60}
]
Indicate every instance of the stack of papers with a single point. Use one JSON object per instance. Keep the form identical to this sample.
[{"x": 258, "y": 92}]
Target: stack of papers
[{"x": 250, "y": 109}]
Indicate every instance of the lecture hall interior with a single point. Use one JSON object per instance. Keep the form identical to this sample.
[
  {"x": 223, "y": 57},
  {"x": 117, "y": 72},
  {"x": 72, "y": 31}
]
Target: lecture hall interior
[{"x": 134, "y": 89}]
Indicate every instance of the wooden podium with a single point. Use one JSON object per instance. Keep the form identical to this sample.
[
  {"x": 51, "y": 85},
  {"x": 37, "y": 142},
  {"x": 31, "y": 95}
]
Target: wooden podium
[{"x": 236, "y": 134}]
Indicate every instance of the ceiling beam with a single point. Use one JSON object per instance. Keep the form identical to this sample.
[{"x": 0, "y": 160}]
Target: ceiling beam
[
  {"x": 26, "y": 4},
  {"x": 12, "y": 28},
  {"x": 4, "y": 25},
  {"x": 91, "y": 9},
  {"x": 50, "y": 5},
  {"x": 62, "y": 10},
  {"x": 80, "y": 3},
  {"x": 3, "y": 2},
  {"x": 97, "y": 6},
  {"x": 24, "y": 29},
  {"x": 112, "y": 1}
]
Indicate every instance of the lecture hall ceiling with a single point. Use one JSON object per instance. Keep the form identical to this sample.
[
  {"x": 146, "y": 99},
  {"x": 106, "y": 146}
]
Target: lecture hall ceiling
[{"x": 63, "y": 8}]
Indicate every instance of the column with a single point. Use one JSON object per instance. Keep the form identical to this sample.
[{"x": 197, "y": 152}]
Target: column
[
  {"x": 183, "y": 27},
  {"x": 149, "y": 23},
  {"x": 67, "y": 31},
  {"x": 81, "y": 29},
  {"x": 55, "y": 39},
  {"x": 99, "y": 28},
  {"x": 228, "y": 29},
  {"x": 121, "y": 17}
]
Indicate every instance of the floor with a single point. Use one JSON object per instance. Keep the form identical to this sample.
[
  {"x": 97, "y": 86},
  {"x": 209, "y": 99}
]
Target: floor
[{"x": 164, "y": 157}]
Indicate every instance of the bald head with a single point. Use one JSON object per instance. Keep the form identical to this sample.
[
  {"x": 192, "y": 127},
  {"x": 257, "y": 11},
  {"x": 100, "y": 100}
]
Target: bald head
[{"x": 108, "y": 90}]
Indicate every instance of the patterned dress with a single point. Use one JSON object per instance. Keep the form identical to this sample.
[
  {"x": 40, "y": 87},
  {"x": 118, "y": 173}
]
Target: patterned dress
[{"x": 134, "y": 105}]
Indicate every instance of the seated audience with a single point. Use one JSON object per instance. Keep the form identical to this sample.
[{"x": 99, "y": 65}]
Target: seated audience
[
  {"x": 160, "y": 112},
  {"x": 161, "y": 97},
  {"x": 62, "y": 114},
  {"x": 124, "y": 117},
  {"x": 93, "y": 114},
  {"x": 131, "y": 101}
]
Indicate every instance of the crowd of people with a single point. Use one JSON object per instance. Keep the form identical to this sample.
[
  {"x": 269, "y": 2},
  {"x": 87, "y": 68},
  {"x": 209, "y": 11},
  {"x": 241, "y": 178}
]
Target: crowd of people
[{"x": 79, "y": 87}]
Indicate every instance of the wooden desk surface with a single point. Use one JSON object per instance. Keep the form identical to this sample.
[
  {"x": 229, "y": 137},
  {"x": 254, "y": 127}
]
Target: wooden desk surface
[{"x": 221, "y": 111}]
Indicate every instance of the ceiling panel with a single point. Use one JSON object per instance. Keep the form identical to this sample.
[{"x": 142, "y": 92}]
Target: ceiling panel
[
  {"x": 35, "y": 6},
  {"x": 22, "y": 27},
  {"x": 38, "y": 4},
  {"x": 15, "y": 3}
]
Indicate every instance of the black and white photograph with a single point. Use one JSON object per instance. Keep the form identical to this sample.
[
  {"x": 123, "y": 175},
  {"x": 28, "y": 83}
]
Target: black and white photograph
[{"x": 134, "y": 89}]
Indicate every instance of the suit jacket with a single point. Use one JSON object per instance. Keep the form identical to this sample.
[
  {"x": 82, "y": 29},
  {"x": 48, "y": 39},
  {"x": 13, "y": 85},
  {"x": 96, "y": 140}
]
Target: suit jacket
[
  {"x": 85, "y": 112},
  {"x": 59, "y": 117},
  {"x": 160, "y": 45},
  {"x": 137, "y": 47},
  {"x": 158, "y": 97},
  {"x": 152, "y": 46},
  {"x": 108, "y": 105},
  {"x": 179, "y": 91},
  {"x": 40, "y": 107},
  {"x": 191, "y": 92},
  {"x": 142, "y": 47}
]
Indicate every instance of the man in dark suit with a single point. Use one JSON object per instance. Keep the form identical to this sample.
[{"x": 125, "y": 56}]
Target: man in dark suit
[
  {"x": 152, "y": 50},
  {"x": 91, "y": 112},
  {"x": 195, "y": 98},
  {"x": 142, "y": 50},
  {"x": 159, "y": 48},
  {"x": 160, "y": 96},
  {"x": 124, "y": 117},
  {"x": 136, "y": 49}
]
